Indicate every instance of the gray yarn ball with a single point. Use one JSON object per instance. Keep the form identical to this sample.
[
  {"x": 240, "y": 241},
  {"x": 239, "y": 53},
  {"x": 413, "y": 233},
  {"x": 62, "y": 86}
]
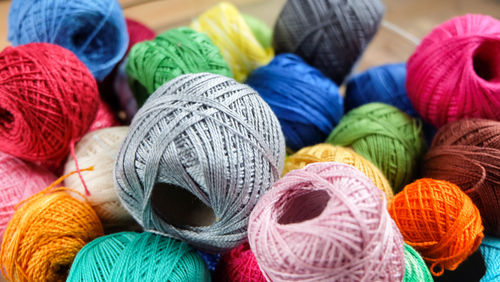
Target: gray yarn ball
[
  {"x": 199, "y": 154},
  {"x": 328, "y": 34}
]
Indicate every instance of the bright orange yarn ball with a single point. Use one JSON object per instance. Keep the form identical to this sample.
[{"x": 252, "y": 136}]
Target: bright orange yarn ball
[
  {"x": 330, "y": 153},
  {"x": 45, "y": 234},
  {"x": 438, "y": 220}
]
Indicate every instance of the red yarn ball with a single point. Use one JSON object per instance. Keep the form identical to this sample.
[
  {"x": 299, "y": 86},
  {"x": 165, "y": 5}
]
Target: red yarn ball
[
  {"x": 239, "y": 264},
  {"x": 48, "y": 99},
  {"x": 138, "y": 32},
  {"x": 104, "y": 118},
  {"x": 455, "y": 72}
]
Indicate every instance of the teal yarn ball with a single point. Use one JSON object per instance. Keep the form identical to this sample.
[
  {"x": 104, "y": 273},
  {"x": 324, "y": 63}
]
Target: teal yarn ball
[
  {"x": 173, "y": 53},
  {"x": 415, "y": 268},
  {"x": 490, "y": 249},
  {"x": 386, "y": 136},
  {"x": 130, "y": 256}
]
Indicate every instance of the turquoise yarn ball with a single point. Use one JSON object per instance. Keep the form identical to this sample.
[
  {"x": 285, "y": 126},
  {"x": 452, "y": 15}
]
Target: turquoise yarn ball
[
  {"x": 490, "y": 249},
  {"x": 130, "y": 256}
]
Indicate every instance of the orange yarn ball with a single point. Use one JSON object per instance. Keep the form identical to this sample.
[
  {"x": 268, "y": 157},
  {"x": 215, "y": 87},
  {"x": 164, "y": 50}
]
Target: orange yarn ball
[
  {"x": 330, "y": 153},
  {"x": 438, "y": 220},
  {"x": 45, "y": 234}
]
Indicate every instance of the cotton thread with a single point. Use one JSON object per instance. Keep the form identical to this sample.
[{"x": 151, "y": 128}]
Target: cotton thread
[
  {"x": 307, "y": 104},
  {"x": 439, "y": 220},
  {"x": 129, "y": 256},
  {"x": 329, "y": 35},
  {"x": 329, "y": 153},
  {"x": 490, "y": 249},
  {"x": 94, "y": 31},
  {"x": 239, "y": 264},
  {"x": 467, "y": 153},
  {"x": 415, "y": 268},
  {"x": 237, "y": 43},
  {"x": 454, "y": 72},
  {"x": 325, "y": 222},
  {"x": 384, "y": 135},
  {"x": 175, "y": 52},
  {"x": 208, "y": 140},
  {"x": 104, "y": 117},
  {"x": 48, "y": 99},
  {"x": 45, "y": 234}
]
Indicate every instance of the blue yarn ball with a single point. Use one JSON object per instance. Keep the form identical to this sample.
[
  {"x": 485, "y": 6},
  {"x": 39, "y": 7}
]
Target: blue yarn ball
[
  {"x": 94, "y": 30},
  {"x": 490, "y": 249},
  {"x": 384, "y": 84},
  {"x": 210, "y": 259},
  {"x": 307, "y": 103}
]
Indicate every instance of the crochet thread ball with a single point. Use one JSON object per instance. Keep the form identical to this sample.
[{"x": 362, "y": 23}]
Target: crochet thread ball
[
  {"x": 48, "y": 99},
  {"x": 210, "y": 259},
  {"x": 239, "y": 264},
  {"x": 454, "y": 72},
  {"x": 490, "y": 249},
  {"x": 439, "y": 221},
  {"x": 467, "y": 153},
  {"x": 325, "y": 222},
  {"x": 230, "y": 32},
  {"x": 45, "y": 234},
  {"x": 329, "y": 35},
  {"x": 415, "y": 268},
  {"x": 386, "y": 136},
  {"x": 18, "y": 181},
  {"x": 100, "y": 149},
  {"x": 138, "y": 32},
  {"x": 94, "y": 31},
  {"x": 384, "y": 84},
  {"x": 260, "y": 30},
  {"x": 175, "y": 52},
  {"x": 307, "y": 104},
  {"x": 199, "y": 154},
  {"x": 129, "y": 256},
  {"x": 329, "y": 153},
  {"x": 104, "y": 117}
]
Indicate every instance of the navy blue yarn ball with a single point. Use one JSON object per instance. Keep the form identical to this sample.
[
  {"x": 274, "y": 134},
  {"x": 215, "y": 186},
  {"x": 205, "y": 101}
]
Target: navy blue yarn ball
[
  {"x": 210, "y": 259},
  {"x": 307, "y": 103},
  {"x": 94, "y": 30}
]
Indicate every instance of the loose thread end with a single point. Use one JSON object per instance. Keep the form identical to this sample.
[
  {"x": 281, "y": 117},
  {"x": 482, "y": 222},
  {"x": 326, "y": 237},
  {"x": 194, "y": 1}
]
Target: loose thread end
[{"x": 72, "y": 149}]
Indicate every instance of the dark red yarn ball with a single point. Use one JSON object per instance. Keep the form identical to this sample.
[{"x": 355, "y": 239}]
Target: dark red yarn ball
[
  {"x": 138, "y": 32},
  {"x": 239, "y": 264},
  {"x": 48, "y": 99}
]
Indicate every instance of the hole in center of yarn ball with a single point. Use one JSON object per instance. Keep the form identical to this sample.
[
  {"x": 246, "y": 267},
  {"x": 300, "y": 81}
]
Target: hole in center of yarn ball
[
  {"x": 179, "y": 207},
  {"x": 61, "y": 270},
  {"x": 486, "y": 61},
  {"x": 6, "y": 118},
  {"x": 304, "y": 206}
]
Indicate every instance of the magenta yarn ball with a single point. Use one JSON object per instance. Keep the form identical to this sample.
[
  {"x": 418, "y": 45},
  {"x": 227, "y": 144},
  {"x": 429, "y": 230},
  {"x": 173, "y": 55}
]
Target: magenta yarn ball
[
  {"x": 455, "y": 71},
  {"x": 326, "y": 222}
]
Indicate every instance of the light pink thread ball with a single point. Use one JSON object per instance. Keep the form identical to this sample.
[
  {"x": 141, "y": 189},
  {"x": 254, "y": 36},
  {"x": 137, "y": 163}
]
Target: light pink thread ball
[{"x": 326, "y": 222}]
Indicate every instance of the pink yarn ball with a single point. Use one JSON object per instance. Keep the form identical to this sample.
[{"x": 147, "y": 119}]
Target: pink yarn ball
[
  {"x": 104, "y": 118},
  {"x": 326, "y": 222},
  {"x": 239, "y": 265},
  {"x": 455, "y": 71},
  {"x": 18, "y": 181}
]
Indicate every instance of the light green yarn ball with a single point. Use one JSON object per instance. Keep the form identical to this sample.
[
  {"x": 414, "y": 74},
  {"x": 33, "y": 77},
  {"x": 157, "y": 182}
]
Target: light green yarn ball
[
  {"x": 415, "y": 268},
  {"x": 386, "y": 136},
  {"x": 260, "y": 29},
  {"x": 140, "y": 257},
  {"x": 173, "y": 53}
]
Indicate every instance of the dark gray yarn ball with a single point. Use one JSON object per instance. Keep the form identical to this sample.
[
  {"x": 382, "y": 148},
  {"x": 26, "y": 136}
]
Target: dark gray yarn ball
[{"x": 328, "y": 34}]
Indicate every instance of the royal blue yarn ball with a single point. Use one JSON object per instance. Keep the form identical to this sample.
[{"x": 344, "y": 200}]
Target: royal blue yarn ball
[
  {"x": 94, "y": 30},
  {"x": 307, "y": 103}
]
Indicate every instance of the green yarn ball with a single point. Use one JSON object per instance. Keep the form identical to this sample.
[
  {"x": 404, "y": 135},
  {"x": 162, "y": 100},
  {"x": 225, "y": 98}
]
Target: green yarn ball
[
  {"x": 415, "y": 268},
  {"x": 260, "y": 30},
  {"x": 173, "y": 53},
  {"x": 130, "y": 256},
  {"x": 386, "y": 136}
]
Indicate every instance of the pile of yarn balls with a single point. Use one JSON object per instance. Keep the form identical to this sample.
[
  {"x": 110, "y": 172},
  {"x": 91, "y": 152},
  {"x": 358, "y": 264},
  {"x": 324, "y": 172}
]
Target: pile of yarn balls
[{"x": 229, "y": 151}]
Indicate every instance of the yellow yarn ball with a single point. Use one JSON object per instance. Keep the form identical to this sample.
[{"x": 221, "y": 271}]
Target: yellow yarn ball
[
  {"x": 229, "y": 31},
  {"x": 330, "y": 153}
]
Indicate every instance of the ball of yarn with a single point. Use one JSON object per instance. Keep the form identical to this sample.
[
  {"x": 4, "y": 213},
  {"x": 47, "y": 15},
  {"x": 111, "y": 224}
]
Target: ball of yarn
[
  {"x": 490, "y": 249},
  {"x": 95, "y": 31},
  {"x": 386, "y": 136},
  {"x": 307, "y": 104},
  {"x": 260, "y": 30},
  {"x": 138, "y": 32},
  {"x": 99, "y": 149},
  {"x": 48, "y": 99},
  {"x": 230, "y": 32},
  {"x": 172, "y": 53},
  {"x": 439, "y": 221},
  {"x": 329, "y": 153},
  {"x": 129, "y": 256},
  {"x": 454, "y": 72},
  {"x": 329, "y": 35},
  {"x": 210, "y": 259},
  {"x": 415, "y": 268},
  {"x": 239, "y": 265},
  {"x": 467, "y": 153},
  {"x": 18, "y": 181},
  {"x": 325, "y": 222},
  {"x": 45, "y": 234},
  {"x": 199, "y": 154},
  {"x": 104, "y": 117}
]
